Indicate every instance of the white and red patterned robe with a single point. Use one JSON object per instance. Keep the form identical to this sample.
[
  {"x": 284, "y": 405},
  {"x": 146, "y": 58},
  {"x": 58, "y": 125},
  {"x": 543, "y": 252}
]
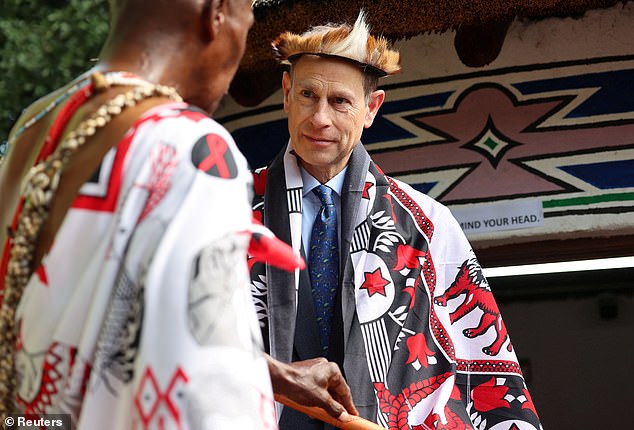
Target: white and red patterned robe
[{"x": 140, "y": 315}]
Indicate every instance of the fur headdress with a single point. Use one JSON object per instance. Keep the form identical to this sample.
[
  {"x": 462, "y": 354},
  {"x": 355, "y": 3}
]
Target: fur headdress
[{"x": 354, "y": 44}]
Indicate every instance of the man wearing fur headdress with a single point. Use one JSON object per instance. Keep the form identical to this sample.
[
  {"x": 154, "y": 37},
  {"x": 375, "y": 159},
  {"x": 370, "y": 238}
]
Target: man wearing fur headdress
[{"x": 392, "y": 291}]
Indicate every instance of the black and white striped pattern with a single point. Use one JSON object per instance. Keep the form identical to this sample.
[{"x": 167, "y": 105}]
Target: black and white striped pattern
[
  {"x": 377, "y": 344},
  {"x": 360, "y": 237},
  {"x": 381, "y": 418},
  {"x": 294, "y": 200}
]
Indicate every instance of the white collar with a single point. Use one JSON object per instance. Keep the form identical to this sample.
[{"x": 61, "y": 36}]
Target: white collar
[{"x": 309, "y": 181}]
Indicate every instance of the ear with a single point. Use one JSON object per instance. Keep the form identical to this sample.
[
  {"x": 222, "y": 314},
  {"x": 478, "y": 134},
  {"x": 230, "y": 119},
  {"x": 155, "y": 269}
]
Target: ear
[
  {"x": 286, "y": 87},
  {"x": 375, "y": 102},
  {"x": 213, "y": 18}
]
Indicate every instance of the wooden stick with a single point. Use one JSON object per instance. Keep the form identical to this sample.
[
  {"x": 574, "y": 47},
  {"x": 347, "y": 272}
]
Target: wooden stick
[{"x": 354, "y": 422}]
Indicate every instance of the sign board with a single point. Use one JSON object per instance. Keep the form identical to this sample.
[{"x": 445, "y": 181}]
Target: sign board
[{"x": 500, "y": 216}]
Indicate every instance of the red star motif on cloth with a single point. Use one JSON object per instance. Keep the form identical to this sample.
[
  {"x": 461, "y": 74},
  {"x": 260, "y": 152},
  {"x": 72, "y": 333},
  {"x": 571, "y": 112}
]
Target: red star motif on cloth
[
  {"x": 366, "y": 189},
  {"x": 374, "y": 283}
]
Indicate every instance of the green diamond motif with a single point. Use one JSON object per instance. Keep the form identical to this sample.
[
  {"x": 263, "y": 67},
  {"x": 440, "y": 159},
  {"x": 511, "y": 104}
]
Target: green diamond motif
[{"x": 492, "y": 144}]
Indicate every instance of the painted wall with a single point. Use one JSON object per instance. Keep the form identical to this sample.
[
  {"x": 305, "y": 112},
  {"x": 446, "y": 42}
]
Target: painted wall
[{"x": 538, "y": 143}]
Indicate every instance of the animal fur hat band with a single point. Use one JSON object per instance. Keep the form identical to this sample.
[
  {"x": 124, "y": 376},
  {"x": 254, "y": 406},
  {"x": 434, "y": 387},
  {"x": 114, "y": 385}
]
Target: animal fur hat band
[{"x": 354, "y": 44}]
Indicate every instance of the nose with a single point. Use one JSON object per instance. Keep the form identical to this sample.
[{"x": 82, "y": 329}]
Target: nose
[{"x": 321, "y": 115}]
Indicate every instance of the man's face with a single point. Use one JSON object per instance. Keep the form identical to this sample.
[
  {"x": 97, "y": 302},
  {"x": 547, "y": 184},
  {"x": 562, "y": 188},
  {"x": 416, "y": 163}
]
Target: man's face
[{"x": 327, "y": 112}]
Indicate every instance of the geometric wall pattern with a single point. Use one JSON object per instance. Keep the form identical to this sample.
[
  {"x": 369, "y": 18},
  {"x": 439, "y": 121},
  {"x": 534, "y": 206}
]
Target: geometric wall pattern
[{"x": 559, "y": 132}]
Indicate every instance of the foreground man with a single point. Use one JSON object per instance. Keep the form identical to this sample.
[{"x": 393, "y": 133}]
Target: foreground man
[
  {"x": 392, "y": 291},
  {"x": 124, "y": 279}
]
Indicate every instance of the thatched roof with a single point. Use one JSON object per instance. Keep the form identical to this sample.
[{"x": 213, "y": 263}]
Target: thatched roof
[{"x": 258, "y": 76}]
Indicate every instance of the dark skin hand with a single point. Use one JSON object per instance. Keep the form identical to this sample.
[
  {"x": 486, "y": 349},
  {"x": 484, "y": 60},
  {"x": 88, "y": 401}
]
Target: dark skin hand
[{"x": 314, "y": 382}]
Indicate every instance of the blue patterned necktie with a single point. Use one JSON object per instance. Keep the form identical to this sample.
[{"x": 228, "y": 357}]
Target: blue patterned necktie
[{"x": 323, "y": 262}]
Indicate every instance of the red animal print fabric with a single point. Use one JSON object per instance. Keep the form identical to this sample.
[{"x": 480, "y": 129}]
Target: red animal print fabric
[{"x": 474, "y": 292}]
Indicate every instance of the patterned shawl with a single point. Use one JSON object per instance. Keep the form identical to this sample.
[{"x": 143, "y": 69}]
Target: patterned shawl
[
  {"x": 414, "y": 301},
  {"x": 140, "y": 316}
]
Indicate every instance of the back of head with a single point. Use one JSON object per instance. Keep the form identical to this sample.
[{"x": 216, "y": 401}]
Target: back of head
[
  {"x": 192, "y": 45},
  {"x": 138, "y": 19}
]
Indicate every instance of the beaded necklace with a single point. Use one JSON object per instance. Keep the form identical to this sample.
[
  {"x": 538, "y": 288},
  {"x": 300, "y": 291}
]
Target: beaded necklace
[
  {"x": 114, "y": 78},
  {"x": 40, "y": 187}
]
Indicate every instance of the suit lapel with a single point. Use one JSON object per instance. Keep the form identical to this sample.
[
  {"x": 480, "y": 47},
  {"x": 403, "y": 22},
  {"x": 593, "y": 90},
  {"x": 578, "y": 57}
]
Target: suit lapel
[
  {"x": 355, "y": 369},
  {"x": 281, "y": 291},
  {"x": 350, "y": 200}
]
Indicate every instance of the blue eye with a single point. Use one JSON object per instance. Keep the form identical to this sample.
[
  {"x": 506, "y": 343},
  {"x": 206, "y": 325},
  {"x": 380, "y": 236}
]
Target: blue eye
[{"x": 305, "y": 93}]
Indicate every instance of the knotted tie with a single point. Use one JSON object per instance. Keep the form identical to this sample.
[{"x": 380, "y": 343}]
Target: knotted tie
[{"x": 323, "y": 262}]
